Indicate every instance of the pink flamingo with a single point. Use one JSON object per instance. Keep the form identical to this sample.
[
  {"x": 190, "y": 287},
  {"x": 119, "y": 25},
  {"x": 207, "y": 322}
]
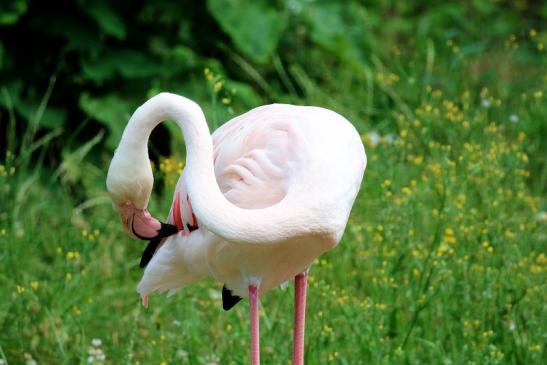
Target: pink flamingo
[{"x": 256, "y": 204}]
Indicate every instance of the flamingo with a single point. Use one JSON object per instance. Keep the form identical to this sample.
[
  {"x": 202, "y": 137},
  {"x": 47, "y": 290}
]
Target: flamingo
[{"x": 257, "y": 202}]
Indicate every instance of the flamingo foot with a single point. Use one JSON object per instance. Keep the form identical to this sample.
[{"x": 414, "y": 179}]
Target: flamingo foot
[
  {"x": 255, "y": 332},
  {"x": 301, "y": 285}
]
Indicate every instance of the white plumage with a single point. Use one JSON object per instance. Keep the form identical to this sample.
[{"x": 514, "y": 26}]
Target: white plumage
[{"x": 268, "y": 194}]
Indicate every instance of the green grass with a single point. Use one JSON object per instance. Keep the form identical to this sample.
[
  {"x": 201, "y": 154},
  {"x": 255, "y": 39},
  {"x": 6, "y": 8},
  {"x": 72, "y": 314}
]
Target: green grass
[{"x": 443, "y": 260}]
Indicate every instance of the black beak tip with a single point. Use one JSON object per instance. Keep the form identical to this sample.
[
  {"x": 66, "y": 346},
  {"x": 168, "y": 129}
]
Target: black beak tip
[{"x": 167, "y": 230}]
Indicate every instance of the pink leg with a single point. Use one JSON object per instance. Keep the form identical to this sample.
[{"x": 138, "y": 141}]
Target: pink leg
[
  {"x": 301, "y": 285},
  {"x": 255, "y": 332}
]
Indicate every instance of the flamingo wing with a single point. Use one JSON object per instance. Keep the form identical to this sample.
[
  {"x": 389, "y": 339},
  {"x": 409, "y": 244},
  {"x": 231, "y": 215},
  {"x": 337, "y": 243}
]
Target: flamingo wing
[{"x": 253, "y": 155}]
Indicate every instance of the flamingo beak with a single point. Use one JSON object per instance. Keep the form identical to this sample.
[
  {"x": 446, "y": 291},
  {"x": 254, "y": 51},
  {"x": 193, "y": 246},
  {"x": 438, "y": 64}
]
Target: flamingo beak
[{"x": 139, "y": 223}]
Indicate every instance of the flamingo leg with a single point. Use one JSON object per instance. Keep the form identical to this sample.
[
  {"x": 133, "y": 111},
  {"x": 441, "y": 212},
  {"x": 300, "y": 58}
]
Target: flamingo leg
[
  {"x": 255, "y": 331},
  {"x": 301, "y": 286}
]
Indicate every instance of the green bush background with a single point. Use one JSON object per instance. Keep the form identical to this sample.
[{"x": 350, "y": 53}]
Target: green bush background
[{"x": 443, "y": 261}]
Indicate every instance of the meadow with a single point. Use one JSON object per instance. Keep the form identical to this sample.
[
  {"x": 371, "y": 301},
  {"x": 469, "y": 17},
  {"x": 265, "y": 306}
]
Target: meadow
[{"x": 444, "y": 257}]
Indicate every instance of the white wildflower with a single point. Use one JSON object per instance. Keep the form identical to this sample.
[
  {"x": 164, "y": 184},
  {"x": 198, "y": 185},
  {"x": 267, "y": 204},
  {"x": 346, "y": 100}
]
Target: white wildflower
[
  {"x": 176, "y": 323},
  {"x": 374, "y": 138},
  {"x": 513, "y": 118},
  {"x": 541, "y": 216},
  {"x": 96, "y": 354},
  {"x": 215, "y": 294},
  {"x": 294, "y": 6},
  {"x": 96, "y": 342},
  {"x": 29, "y": 360},
  {"x": 212, "y": 360},
  {"x": 181, "y": 354}
]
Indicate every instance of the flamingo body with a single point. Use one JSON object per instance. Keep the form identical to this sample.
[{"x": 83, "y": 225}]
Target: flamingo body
[
  {"x": 275, "y": 154},
  {"x": 257, "y": 202}
]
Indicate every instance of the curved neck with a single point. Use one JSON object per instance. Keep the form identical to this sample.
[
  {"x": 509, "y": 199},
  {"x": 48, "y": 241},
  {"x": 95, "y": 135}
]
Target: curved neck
[{"x": 213, "y": 210}]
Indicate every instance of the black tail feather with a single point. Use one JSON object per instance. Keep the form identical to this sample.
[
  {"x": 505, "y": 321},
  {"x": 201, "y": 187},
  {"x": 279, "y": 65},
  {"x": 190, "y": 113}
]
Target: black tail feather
[
  {"x": 228, "y": 299},
  {"x": 149, "y": 251}
]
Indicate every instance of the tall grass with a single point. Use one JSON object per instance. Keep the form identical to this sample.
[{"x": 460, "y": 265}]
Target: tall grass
[{"x": 443, "y": 260}]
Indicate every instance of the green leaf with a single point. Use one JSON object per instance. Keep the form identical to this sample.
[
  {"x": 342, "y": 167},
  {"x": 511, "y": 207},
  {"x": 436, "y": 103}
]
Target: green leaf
[
  {"x": 184, "y": 56},
  {"x": 111, "y": 111},
  {"x": 51, "y": 118},
  {"x": 128, "y": 63},
  {"x": 134, "y": 64},
  {"x": 254, "y": 26},
  {"x": 339, "y": 28},
  {"x": 97, "y": 71},
  {"x": 79, "y": 35},
  {"x": 327, "y": 23},
  {"x": 107, "y": 20},
  {"x": 243, "y": 95},
  {"x": 11, "y": 11}
]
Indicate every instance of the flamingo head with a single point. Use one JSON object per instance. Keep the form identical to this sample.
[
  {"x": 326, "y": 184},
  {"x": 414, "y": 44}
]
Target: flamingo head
[{"x": 130, "y": 185}]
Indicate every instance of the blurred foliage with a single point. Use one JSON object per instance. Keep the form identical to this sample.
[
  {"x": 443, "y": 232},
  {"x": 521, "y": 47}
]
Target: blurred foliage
[{"x": 102, "y": 59}]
